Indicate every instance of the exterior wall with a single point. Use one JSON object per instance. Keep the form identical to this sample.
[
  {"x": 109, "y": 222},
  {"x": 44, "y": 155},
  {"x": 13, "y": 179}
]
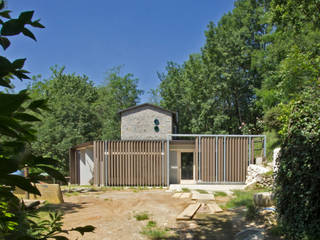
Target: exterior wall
[
  {"x": 86, "y": 166},
  {"x": 138, "y": 124}
]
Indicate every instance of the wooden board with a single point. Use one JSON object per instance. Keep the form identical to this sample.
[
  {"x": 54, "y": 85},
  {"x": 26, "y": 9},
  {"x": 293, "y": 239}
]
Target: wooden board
[
  {"x": 214, "y": 208},
  {"x": 189, "y": 212}
]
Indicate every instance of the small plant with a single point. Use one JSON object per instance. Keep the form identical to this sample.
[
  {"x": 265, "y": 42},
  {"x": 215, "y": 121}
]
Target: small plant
[
  {"x": 151, "y": 224},
  {"x": 154, "y": 232},
  {"x": 142, "y": 216},
  {"x": 70, "y": 194},
  {"x": 201, "y": 191},
  {"x": 242, "y": 198},
  {"x": 252, "y": 212},
  {"x": 220, "y": 194},
  {"x": 185, "y": 190}
]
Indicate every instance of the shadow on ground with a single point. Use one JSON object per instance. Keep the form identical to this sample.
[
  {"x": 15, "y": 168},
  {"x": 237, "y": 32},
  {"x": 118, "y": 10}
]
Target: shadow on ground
[
  {"x": 208, "y": 227},
  {"x": 66, "y": 207}
]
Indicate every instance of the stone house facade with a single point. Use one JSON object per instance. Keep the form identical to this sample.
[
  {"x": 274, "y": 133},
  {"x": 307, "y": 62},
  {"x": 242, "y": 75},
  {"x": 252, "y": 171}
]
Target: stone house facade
[{"x": 147, "y": 122}]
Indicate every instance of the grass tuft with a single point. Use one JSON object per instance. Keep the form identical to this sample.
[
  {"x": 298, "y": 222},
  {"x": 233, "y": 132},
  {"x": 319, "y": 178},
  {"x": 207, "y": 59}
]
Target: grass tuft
[
  {"x": 242, "y": 198},
  {"x": 151, "y": 224},
  {"x": 201, "y": 191},
  {"x": 154, "y": 232},
  {"x": 220, "y": 194},
  {"x": 142, "y": 216},
  {"x": 185, "y": 190}
]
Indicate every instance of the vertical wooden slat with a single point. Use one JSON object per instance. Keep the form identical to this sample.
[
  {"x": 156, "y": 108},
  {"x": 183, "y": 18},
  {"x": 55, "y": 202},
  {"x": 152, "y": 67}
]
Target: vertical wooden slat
[
  {"x": 125, "y": 159},
  {"x": 159, "y": 163},
  {"x": 146, "y": 182},
  {"x": 212, "y": 161},
  {"x": 221, "y": 159},
  {"x": 129, "y": 164},
  {"x": 238, "y": 157},
  {"x": 165, "y": 166},
  {"x": 196, "y": 158},
  {"x": 139, "y": 163},
  {"x": 134, "y": 175},
  {"x": 153, "y": 163}
]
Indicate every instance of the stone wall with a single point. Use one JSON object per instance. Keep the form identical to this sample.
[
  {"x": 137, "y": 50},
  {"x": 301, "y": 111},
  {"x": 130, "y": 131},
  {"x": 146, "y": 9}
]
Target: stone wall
[{"x": 138, "y": 124}]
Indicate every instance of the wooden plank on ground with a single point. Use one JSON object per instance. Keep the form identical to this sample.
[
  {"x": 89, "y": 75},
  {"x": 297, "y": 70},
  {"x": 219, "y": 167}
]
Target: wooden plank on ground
[
  {"x": 214, "y": 208},
  {"x": 189, "y": 212}
]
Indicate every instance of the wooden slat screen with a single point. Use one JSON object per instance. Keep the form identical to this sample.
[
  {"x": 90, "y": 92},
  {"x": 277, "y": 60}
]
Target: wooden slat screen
[
  {"x": 130, "y": 163},
  {"x": 226, "y": 162}
]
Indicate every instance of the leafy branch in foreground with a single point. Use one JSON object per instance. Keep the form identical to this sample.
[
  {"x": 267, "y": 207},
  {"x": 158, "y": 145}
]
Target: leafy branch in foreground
[{"x": 17, "y": 113}]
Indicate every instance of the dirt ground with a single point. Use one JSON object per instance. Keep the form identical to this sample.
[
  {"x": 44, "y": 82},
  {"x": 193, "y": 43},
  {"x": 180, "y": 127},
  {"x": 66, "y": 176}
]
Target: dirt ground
[{"x": 112, "y": 213}]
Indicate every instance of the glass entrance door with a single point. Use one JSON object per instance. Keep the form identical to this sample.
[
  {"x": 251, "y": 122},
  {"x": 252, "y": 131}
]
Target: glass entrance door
[{"x": 187, "y": 165}]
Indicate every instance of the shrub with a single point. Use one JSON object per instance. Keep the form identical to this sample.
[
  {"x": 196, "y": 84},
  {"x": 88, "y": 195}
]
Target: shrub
[{"x": 298, "y": 177}]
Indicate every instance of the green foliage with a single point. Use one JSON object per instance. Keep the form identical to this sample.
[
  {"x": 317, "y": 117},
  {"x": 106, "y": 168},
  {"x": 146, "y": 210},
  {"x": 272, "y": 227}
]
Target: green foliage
[
  {"x": 18, "y": 112},
  {"x": 185, "y": 190},
  {"x": 242, "y": 198},
  {"x": 71, "y": 119},
  {"x": 154, "y": 232},
  {"x": 297, "y": 179},
  {"x": 273, "y": 141},
  {"x": 151, "y": 224},
  {"x": 201, "y": 191},
  {"x": 220, "y": 194},
  {"x": 252, "y": 212},
  {"x": 214, "y": 91},
  {"x": 296, "y": 14},
  {"x": 118, "y": 93},
  {"x": 142, "y": 216}
]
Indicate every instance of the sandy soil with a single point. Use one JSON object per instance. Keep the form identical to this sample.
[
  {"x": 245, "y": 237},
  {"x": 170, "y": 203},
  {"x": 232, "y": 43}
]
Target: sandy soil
[{"x": 112, "y": 213}]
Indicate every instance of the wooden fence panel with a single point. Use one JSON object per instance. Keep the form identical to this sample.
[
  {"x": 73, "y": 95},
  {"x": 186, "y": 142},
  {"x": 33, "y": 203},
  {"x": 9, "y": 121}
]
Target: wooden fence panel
[
  {"x": 226, "y": 162},
  {"x": 130, "y": 163}
]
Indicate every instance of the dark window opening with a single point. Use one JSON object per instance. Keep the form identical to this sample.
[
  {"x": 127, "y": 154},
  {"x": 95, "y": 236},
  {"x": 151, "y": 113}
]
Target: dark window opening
[{"x": 187, "y": 165}]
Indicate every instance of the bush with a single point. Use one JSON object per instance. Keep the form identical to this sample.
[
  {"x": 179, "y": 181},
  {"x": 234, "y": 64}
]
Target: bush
[{"x": 298, "y": 177}]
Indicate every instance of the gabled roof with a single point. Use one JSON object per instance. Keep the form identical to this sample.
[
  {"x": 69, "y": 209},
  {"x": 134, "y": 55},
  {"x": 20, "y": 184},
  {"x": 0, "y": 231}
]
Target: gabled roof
[{"x": 174, "y": 114}]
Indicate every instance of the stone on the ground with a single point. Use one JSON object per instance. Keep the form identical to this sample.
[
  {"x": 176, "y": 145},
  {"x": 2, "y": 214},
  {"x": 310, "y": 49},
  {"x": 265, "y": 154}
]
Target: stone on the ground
[
  {"x": 256, "y": 175},
  {"x": 49, "y": 192},
  {"x": 176, "y": 195},
  {"x": 185, "y": 195},
  {"x": 250, "y": 234},
  {"x": 263, "y": 199},
  {"x": 31, "y": 204},
  {"x": 276, "y": 152}
]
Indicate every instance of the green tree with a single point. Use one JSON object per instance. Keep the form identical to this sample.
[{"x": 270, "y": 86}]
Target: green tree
[
  {"x": 71, "y": 119},
  {"x": 298, "y": 176},
  {"x": 118, "y": 93},
  {"x": 215, "y": 90},
  {"x": 17, "y": 113}
]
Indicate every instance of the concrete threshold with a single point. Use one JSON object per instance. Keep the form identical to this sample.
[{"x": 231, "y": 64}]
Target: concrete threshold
[{"x": 208, "y": 187}]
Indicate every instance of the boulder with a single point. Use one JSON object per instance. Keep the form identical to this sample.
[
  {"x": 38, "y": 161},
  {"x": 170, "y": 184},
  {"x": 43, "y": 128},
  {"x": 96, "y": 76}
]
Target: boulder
[
  {"x": 250, "y": 234},
  {"x": 49, "y": 192},
  {"x": 263, "y": 199}
]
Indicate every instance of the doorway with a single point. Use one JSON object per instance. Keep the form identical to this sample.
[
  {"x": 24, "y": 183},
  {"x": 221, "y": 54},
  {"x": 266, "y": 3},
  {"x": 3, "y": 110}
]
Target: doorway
[{"x": 186, "y": 165}]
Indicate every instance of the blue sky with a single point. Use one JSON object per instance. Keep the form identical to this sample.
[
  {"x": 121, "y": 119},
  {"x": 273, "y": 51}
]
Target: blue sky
[{"x": 90, "y": 37}]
